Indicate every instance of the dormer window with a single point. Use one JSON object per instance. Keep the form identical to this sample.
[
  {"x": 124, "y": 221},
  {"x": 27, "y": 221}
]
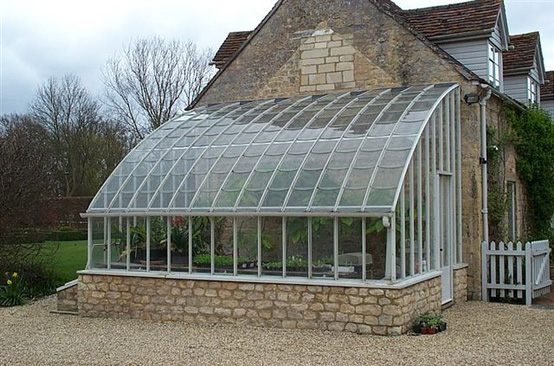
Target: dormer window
[
  {"x": 531, "y": 91},
  {"x": 494, "y": 66}
]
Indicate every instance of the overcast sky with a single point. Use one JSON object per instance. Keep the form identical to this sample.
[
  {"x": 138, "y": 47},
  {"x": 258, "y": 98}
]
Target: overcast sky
[{"x": 42, "y": 38}]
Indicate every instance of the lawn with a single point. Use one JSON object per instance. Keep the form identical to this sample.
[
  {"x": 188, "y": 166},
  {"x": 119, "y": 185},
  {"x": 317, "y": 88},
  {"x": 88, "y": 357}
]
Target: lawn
[{"x": 70, "y": 257}]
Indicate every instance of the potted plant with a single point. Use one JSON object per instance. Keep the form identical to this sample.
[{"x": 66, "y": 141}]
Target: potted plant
[{"x": 429, "y": 323}]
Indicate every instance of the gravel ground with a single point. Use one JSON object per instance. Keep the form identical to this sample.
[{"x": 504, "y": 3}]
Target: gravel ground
[{"x": 479, "y": 334}]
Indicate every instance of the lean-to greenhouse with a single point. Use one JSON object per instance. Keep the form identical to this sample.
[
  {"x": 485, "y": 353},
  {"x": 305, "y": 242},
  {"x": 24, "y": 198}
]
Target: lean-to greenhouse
[{"x": 355, "y": 189}]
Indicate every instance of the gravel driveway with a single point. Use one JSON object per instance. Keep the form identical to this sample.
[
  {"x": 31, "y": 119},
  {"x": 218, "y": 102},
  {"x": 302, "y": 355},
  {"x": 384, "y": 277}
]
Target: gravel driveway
[{"x": 479, "y": 334}]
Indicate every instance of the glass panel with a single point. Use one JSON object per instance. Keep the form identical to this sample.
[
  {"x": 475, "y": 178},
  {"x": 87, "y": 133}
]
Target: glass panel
[
  {"x": 350, "y": 248},
  {"x": 179, "y": 244},
  {"x": 322, "y": 247},
  {"x": 138, "y": 244},
  {"x": 99, "y": 248},
  {"x": 272, "y": 243},
  {"x": 247, "y": 246},
  {"x": 201, "y": 237},
  {"x": 376, "y": 248},
  {"x": 223, "y": 242},
  {"x": 118, "y": 243},
  {"x": 297, "y": 247},
  {"x": 158, "y": 244}
]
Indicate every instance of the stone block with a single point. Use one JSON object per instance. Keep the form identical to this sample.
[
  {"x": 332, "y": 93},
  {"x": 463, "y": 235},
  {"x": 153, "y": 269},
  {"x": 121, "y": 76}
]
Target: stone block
[
  {"x": 305, "y": 89},
  {"x": 328, "y": 67},
  {"x": 316, "y": 53},
  {"x": 348, "y": 75},
  {"x": 341, "y": 317},
  {"x": 344, "y": 50},
  {"x": 327, "y": 316},
  {"x": 325, "y": 87},
  {"x": 306, "y": 46},
  {"x": 324, "y": 38},
  {"x": 306, "y": 70},
  {"x": 289, "y": 324},
  {"x": 380, "y": 330},
  {"x": 368, "y": 309},
  {"x": 355, "y": 300},
  {"x": 336, "y": 326},
  {"x": 312, "y": 61},
  {"x": 334, "y": 77},
  {"x": 343, "y": 66},
  {"x": 246, "y": 286},
  {"x": 317, "y": 79},
  {"x": 229, "y": 286},
  {"x": 351, "y": 327}
]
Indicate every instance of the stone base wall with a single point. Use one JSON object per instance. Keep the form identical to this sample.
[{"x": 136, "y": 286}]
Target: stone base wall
[
  {"x": 353, "y": 309},
  {"x": 67, "y": 299},
  {"x": 460, "y": 285}
]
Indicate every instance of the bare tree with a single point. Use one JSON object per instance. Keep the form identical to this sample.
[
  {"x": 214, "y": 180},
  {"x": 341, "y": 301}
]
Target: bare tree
[
  {"x": 153, "y": 80},
  {"x": 26, "y": 169},
  {"x": 86, "y": 147}
]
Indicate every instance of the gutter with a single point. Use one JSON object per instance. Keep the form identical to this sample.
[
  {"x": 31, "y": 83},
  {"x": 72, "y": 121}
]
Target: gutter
[{"x": 483, "y": 161}]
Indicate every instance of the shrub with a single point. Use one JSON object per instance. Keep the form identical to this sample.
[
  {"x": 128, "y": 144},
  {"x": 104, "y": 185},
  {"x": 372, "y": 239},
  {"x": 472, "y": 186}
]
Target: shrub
[
  {"x": 534, "y": 141},
  {"x": 68, "y": 235},
  {"x": 13, "y": 290}
]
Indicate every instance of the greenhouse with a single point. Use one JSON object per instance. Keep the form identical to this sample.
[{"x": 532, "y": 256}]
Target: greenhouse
[{"x": 353, "y": 189}]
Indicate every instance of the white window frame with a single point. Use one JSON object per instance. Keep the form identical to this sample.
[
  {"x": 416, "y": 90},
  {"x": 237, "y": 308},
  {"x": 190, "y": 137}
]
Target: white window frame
[
  {"x": 531, "y": 90},
  {"x": 494, "y": 66}
]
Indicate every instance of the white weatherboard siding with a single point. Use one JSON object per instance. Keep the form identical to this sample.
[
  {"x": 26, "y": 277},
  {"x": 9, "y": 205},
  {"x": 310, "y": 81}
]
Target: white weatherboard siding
[
  {"x": 516, "y": 87},
  {"x": 548, "y": 105},
  {"x": 472, "y": 54},
  {"x": 497, "y": 39}
]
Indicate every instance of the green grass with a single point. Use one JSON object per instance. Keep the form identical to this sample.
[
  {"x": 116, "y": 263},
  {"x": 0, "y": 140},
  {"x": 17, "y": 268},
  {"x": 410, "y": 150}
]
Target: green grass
[{"x": 70, "y": 257}]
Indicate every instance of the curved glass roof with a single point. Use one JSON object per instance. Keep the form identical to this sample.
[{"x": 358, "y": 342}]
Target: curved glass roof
[{"x": 339, "y": 153}]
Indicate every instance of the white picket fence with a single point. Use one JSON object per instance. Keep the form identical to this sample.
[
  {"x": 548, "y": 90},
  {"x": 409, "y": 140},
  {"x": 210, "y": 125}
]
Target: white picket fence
[{"x": 515, "y": 271}]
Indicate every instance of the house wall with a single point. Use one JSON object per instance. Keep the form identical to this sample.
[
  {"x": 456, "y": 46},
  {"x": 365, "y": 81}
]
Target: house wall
[
  {"x": 286, "y": 58},
  {"x": 548, "y": 105},
  {"x": 359, "y": 310},
  {"x": 508, "y": 166},
  {"x": 516, "y": 87},
  {"x": 385, "y": 53},
  {"x": 460, "y": 285},
  {"x": 472, "y": 54}
]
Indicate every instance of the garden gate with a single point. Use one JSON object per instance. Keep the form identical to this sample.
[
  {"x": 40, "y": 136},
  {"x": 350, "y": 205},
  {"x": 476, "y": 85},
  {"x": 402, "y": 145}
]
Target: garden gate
[{"x": 511, "y": 272}]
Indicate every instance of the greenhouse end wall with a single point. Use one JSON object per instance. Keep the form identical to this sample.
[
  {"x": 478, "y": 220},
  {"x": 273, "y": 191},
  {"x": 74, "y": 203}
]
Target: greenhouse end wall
[{"x": 336, "y": 308}]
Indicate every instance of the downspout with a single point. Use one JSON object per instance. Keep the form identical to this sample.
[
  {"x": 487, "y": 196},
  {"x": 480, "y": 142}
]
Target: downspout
[{"x": 483, "y": 161}]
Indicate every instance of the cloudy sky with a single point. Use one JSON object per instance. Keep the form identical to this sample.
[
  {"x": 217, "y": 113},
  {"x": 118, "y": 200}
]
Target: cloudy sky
[{"x": 41, "y": 38}]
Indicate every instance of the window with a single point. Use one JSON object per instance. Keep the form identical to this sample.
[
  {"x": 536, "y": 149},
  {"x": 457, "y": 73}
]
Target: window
[
  {"x": 512, "y": 227},
  {"x": 531, "y": 91},
  {"x": 494, "y": 66}
]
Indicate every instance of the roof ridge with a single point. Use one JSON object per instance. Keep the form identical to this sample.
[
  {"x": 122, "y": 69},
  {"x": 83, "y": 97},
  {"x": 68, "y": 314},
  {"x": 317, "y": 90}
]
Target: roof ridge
[
  {"x": 386, "y": 6},
  {"x": 454, "y": 5},
  {"x": 534, "y": 33}
]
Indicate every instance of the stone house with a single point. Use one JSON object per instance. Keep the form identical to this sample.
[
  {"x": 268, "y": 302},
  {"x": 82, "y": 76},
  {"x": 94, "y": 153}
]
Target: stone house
[{"x": 331, "y": 119}]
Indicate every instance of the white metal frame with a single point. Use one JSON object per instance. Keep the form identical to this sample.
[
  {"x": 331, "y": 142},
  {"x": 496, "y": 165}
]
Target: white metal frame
[{"x": 420, "y": 175}]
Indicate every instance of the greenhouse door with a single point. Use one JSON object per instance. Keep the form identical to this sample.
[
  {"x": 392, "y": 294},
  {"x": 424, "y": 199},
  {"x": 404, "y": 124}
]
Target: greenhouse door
[{"x": 446, "y": 235}]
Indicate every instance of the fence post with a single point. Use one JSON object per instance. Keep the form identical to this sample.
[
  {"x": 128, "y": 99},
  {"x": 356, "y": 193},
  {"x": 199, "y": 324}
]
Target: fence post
[
  {"x": 528, "y": 275},
  {"x": 484, "y": 270}
]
